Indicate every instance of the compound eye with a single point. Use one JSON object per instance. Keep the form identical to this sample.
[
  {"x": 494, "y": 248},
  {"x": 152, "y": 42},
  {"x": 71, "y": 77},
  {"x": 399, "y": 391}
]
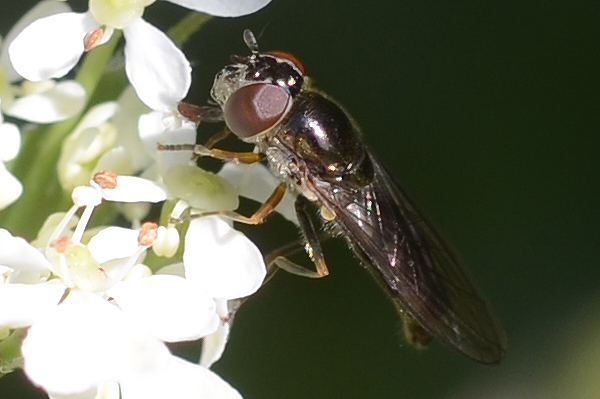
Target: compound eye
[{"x": 255, "y": 108}]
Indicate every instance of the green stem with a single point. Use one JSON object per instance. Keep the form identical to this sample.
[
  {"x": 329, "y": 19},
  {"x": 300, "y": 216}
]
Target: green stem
[
  {"x": 10, "y": 351},
  {"x": 36, "y": 164},
  {"x": 94, "y": 64},
  {"x": 187, "y": 26}
]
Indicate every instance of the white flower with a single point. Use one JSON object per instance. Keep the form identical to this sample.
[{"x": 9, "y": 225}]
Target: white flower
[
  {"x": 170, "y": 127},
  {"x": 43, "y": 101},
  {"x": 125, "y": 120},
  {"x": 213, "y": 345},
  {"x": 235, "y": 273},
  {"x": 94, "y": 324},
  {"x": 130, "y": 189},
  {"x": 10, "y": 141},
  {"x": 224, "y": 263},
  {"x": 157, "y": 69},
  {"x": 85, "y": 343},
  {"x": 83, "y": 149},
  {"x": 181, "y": 380},
  {"x": 107, "y": 138},
  {"x": 216, "y": 259}
]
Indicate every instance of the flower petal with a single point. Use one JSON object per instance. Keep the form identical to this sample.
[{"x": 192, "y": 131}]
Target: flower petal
[
  {"x": 133, "y": 189},
  {"x": 11, "y": 187},
  {"x": 50, "y": 47},
  {"x": 126, "y": 121},
  {"x": 159, "y": 72},
  {"x": 40, "y": 10},
  {"x": 10, "y": 141},
  {"x": 113, "y": 243},
  {"x": 213, "y": 345},
  {"x": 23, "y": 304},
  {"x": 222, "y": 260},
  {"x": 19, "y": 255},
  {"x": 85, "y": 341},
  {"x": 60, "y": 102},
  {"x": 117, "y": 160},
  {"x": 220, "y": 8},
  {"x": 86, "y": 196},
  {"x": 97, "y": 115},
  {"x": 160, "y": 127},
  {"x": 168, "y": 306},
  {"x": 181, "y": 380},
  {"x": 173, "y": 269},
  {"x": 90, "y": 139},
  {"x": 93, "y": 393}
]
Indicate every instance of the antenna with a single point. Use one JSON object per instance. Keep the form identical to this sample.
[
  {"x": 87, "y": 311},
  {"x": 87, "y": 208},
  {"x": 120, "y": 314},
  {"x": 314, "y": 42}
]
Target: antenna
[{"x": 250, "y": 41}]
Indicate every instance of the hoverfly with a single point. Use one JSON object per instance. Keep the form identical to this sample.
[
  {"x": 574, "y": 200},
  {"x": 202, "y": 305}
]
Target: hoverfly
[{"x": 316, "y": 149}]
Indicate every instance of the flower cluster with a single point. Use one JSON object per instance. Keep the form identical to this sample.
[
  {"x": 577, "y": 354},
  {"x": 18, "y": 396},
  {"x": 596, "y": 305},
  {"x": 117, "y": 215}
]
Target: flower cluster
[
  {"x": 88, "y": 311},
  {"x": 98, "y": 317}
]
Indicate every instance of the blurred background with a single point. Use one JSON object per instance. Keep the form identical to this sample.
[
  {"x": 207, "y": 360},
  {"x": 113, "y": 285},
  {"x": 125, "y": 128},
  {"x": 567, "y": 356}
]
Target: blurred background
[{"x": 487, "y": 113}]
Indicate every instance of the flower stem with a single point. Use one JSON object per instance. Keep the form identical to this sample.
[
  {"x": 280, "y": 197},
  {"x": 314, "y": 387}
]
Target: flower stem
[
  {"x": 187, "y": 26},
  {"x": 10, "y": 352},
  {"x": 36, "y": 164}
]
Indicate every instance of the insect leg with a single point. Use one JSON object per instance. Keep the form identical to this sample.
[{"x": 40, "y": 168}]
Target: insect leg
[
  {"x": 312, "y": 245},
  {"x": 197, "y": 114},
  {"x": 239, "y": 157},
  {"x": 259, "y": 216},
  {"x": 202, "y": 151},
  {"x": 272, "y": 267},
  {"x": 210, "y": 143},
  {"x": 278, "y": 259},
  {"x": 207, "y": 113},
  {"x": 273, "y": 257}
]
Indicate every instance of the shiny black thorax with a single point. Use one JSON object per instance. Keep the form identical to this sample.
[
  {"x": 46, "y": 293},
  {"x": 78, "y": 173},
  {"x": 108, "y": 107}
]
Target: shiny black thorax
[{"x": 322, "y": 139}]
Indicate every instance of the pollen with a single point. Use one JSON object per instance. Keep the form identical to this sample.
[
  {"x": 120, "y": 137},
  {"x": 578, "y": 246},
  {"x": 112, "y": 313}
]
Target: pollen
[
  {"x": 60, "y": 245},
  {"x": 92, "y": 39},
  {"x": 106, "y": 179},
  {"x": 148, "y": 233}
]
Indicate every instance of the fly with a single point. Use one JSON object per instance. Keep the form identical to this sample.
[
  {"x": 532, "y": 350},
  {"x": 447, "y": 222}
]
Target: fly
[{"x": 316, "y": 149}]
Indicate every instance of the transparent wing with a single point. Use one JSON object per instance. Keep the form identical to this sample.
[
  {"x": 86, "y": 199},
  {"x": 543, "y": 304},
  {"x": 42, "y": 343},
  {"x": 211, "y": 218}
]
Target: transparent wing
[{"x": 420, "y": 271}]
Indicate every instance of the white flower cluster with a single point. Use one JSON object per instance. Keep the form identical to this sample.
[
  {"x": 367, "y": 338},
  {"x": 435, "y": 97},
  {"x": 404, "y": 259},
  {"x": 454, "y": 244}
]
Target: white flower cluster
[
  {"x": 98, "y": 318},
  {"x": 90, "y": 317}
]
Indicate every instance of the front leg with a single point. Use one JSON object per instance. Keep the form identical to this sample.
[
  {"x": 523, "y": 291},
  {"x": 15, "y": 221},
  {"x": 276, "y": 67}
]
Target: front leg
[
  {"x": 198, "y": 114},
  {"x": 257, "y": 217},
  {"x": 200, "y": 150}
]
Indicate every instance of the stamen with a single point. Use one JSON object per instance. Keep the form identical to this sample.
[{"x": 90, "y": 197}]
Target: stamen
[
  {"x": 106, "y": 179},
  {"x": 148, "y": 234},
  {"x": 60, "y": 228},
  {"x": 93, "y": 38},
  {"x": 64, "y": 295},
  {"x": 85, "y": 218},
  {"x": 60, "y": 245}
]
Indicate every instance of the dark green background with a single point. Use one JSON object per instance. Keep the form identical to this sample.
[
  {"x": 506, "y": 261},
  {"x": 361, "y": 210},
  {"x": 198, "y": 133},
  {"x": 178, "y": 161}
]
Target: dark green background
[{"x": 488, "y": 114}]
